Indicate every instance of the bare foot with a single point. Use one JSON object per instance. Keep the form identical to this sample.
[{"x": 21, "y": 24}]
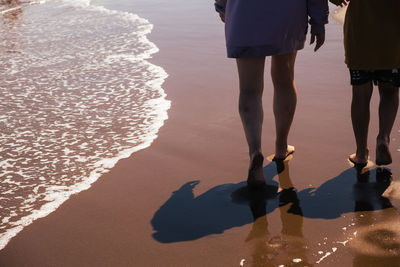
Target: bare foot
[
  {"x": 359, "y": 159},
  {"x": 256, "y": 173},
  {"x": 283, "y": 154},
  {"x": 383, "y": 156}
]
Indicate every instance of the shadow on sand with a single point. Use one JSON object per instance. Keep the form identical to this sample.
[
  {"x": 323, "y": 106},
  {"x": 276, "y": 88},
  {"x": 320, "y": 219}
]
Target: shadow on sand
[{"x": 185, "y": 217}]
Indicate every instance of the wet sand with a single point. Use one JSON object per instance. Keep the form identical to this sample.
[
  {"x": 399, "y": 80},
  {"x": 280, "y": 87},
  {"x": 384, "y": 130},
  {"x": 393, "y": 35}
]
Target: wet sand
[{"x": 148, "y": 211}]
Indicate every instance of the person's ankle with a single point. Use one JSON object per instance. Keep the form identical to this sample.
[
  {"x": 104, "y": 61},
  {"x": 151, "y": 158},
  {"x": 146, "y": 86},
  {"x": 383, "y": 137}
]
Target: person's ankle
[
  {"x": 255, "y": 152},
  {"x": 281, "y": 145},
  {"x": 362, "y": 153},
  {"x": 383, "y": 139}
]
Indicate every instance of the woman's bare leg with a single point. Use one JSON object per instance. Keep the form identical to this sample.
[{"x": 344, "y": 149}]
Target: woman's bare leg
[
  {"x": 285, "y": 99},
  {"x": 251, "y": 79},
  {"x": 389, "y": 103},
  {"x": 360, "y": 119}
]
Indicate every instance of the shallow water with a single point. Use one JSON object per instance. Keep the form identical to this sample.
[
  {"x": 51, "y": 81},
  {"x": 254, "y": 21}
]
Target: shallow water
[{"x": 77, "y": 96}]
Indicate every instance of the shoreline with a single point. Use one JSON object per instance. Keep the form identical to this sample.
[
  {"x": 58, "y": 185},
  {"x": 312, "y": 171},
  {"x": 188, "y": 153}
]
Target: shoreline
[{"x": 15, "y": 219}]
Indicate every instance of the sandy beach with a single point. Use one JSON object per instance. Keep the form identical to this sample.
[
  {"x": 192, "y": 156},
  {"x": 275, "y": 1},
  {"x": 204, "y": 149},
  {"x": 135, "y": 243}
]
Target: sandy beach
[{"x": 182, "y": 201}]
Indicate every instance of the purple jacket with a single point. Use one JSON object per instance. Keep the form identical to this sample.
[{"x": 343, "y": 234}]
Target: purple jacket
[{"x": 270, "y": 27}]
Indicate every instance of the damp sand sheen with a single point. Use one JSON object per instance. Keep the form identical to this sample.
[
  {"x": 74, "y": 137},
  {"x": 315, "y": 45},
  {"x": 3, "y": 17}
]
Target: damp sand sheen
[{"x": 78, "y": 94}]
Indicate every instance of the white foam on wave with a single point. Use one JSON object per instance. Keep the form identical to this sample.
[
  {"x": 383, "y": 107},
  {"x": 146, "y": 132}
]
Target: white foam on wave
[
  {"x": 77, "y": 3},
  {"x": 75, "y": 104},
  {"x": 21, "y": 5}
]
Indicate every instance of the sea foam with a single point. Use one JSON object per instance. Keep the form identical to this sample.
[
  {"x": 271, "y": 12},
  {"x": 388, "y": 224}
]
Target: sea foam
[{"x": 78, "y": 95}]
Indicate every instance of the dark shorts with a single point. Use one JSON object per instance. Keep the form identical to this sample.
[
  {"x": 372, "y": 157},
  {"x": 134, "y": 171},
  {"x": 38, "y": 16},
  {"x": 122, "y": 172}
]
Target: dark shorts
[{"x": 359, "y": 77}]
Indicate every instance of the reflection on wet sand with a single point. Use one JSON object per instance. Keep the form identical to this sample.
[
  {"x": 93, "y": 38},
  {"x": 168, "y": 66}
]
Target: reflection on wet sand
[
  {"x": 337, "y": 196},
  {"x": 287, "y": 248},
  {"x": 377, "y": 239},
  {"x": 185, "y": 217}
]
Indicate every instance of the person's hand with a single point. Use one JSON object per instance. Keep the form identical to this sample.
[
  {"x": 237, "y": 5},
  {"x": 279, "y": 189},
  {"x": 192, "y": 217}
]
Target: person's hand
[
  {"x": 222, "y": 16},
  {"x": 344, "y": 3},
  {"x": 341, "y": 3},
  {"x": 320, "y": 40}
]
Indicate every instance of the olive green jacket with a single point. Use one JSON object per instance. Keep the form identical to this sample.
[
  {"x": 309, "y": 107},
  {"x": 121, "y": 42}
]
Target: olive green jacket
[{"x": 372, "y": 34}]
